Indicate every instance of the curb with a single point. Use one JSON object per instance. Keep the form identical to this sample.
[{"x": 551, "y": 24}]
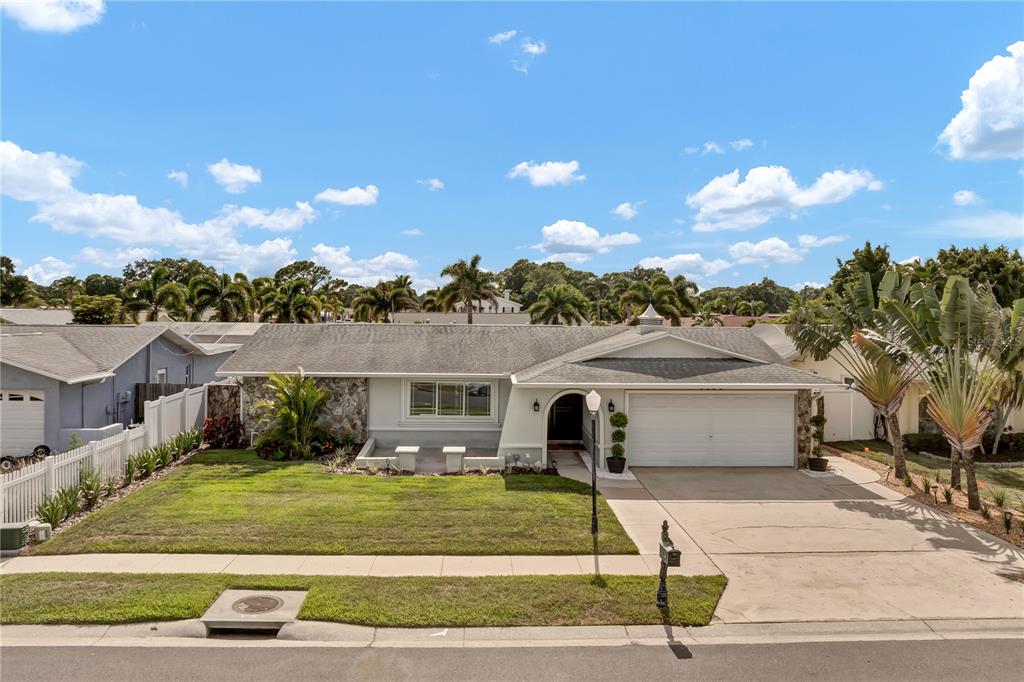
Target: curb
[{"x": 191, "y": 633}]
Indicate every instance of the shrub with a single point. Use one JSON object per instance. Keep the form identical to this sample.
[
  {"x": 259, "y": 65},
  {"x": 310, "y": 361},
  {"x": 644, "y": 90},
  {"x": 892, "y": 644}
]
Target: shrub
[
  {"x": 908, "y": 481},
  {"x": 110, "y": 486},
  {"x": 69, "y": 498},
  {"x": 91, "y": 486},
  {"x": 618, "y": 436},
  {"x": 294, "y": 409},
  {"x": 947, "y": 493},
  {"x": 618, "y": 450},
  {"x": 619, "y": 420},
  {"x": 926, "y": 485},
  {"x": 147, "y": 462},
  {"x": 934, "y": 443},
  {"x": 50, "y": 510},
  {"x": 131, "y": 466},
  {"x": 223, "y": 433},
  {"x": 986, "y": 512},
  {"x": 999, "y": 498}
]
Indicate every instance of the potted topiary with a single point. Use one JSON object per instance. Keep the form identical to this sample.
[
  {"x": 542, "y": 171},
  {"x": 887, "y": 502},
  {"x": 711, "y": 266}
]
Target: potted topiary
[
  {"x": 817, "y": 462},
  {"x": 617, "y": 462}
]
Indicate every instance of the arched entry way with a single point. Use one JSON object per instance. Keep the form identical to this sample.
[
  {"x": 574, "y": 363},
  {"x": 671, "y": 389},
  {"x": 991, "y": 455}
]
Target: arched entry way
[{"x": 567, "y": 423}]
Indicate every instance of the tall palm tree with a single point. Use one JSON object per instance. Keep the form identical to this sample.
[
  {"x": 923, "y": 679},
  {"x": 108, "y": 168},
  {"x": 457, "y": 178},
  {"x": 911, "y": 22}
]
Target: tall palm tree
[
  {"x": 706, "y": 317},
  {"x": 839, "y": 332},
  {"x": 660, "y": 293},
  {"x": 1008, "y": 360},
  {"x": 429, "y": 302},
  {"x": 225, "y": 294},
  {"x": 686, "y": 292},
  {"x": 752, "y": 308},
  {"x": 379, "y": 303},
  {"x": 560, "y": 304},
  {"x": 261, "y": 287},
  {"x": 470, "y": 284},
  {"x": 598, "y": 290},
  {"x": 293, "y": 301},
  {"x": 155, "y": 293}
]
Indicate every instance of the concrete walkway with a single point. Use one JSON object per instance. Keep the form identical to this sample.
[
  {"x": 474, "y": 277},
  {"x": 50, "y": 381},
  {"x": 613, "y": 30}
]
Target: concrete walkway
[{"x": 348, "y": 564}]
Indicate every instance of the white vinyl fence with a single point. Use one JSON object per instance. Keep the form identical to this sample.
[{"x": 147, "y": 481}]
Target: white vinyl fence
[{"x": 21, "y": 491}]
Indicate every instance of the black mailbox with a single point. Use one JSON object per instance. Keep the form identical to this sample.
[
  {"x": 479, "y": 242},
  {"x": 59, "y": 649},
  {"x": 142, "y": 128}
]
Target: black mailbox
[{"x": 670, "y": 554}]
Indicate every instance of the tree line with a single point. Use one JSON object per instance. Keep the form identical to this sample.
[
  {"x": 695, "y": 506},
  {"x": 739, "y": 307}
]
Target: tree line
[{"x": 552, "y": 293}]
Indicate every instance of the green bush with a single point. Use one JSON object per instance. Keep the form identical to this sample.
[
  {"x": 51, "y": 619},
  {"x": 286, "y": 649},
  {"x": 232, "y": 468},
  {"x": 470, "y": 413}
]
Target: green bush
[
  {"x": 999, "y": 497},
  {"x": 934, "y": 443},
  {"x": 110, "y": 486},
  {"x": 91, "y": 485},
  {"x": 619, "y": 420},
  {"x": 947, "y": 493},
  {"x": 50, "y": 510},
  {"x": 986, "y": 512},
  {"x": 131, "y": 467},
  {"x": 69, "y": 498},
  {"x": 618, "y": 450},
  {"x": 618, "y": 436}
]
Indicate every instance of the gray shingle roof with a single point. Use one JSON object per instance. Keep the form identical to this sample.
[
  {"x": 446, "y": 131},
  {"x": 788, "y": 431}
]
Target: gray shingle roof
[
  {"x": 403, "y": 349},
  {"x": 75, "y": 352},
  {"x": 723, "y": 371}
]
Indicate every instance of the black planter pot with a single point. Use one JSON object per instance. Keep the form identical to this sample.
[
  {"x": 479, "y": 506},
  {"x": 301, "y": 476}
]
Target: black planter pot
[
  {"x": 616, "y": 465},
  {"x": 818, "y": 463}
]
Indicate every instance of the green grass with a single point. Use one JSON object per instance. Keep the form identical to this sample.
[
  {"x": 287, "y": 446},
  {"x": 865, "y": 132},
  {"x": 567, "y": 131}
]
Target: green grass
[
  {"x": 1009, "y": 478},
  {"x": 231, "y": 501},
  {"x": 395, "y": 602}
]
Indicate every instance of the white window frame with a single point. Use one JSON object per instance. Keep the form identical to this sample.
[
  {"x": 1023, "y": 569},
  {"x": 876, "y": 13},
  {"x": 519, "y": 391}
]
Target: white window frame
[
  {"x": 161, "y": 375},
  {"x": 409, "y": 417}
]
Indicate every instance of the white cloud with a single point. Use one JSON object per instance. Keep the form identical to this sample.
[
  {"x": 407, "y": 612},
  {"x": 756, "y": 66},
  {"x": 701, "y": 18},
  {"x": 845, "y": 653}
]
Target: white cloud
[
  {"x": 710, "y": 147},
  {"x": 984, "y": 225},
  {"x": 413, "y": 232},
  {"x": 366, "y": 271},
  {"x": 741, "y": 144},
  {"x": 727, "y": 203},
  {"x": 27, "y": 176},
  {"x": 810, "y": 241},
  {"x": 574, "y": 241},
  {"x": 990, "y": 124},
  {"x": 627, "y": 210},
  {"x": 353, "y": 196},
  {"x": 692, "y": 149},
  {"x": 54, "y": 16},
  {"x": 691, "y": 265},
  {"x": 503, "y": 37},
  {"x": 533, "y": 47},
  {"x": 770, "y": 250},
  {"x": 277, "y": 220},
  {"x": 801, "y": 285},
  {"x": 48, "y": 269},
  {"x": 965, "y": 197},
  {"x": 113, "y": 259},
  {"x": 433, "y": 184},
  {"x": 548, "y": 173},
  {"x": 234, "y": 177},
  {"x": 911, "y": 260},
  {"x": 180, "y": 177}
]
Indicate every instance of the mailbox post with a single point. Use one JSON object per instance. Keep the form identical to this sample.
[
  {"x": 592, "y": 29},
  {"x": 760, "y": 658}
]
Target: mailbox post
[{"x": 670, "y": 556}]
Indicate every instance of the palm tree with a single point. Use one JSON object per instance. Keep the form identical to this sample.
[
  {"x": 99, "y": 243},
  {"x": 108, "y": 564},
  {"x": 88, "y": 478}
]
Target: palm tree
[
  {"x": 156, "y": 293},
  {"x": 294, "y": 409},
  {"x": 226, "y": 295},
  {"x": 1008, "y": 360},
  {"x": 706, "y": 317},
  {"x": 686, "y": 292},
  {"x": 470, "y": 285},
  {"x": 598, "y": 289},
  {"x": 380, "y": 303},
  {"x": 752, "y": 308},
  {"x": 429, "y": 301},
  {"x": 560, "y": 304},
  {"x": 260, "y": 287},
  {"x": 659, "y": 293},
  {"x": 838, "y": 332},
  {"x": 291, "y": 302}
]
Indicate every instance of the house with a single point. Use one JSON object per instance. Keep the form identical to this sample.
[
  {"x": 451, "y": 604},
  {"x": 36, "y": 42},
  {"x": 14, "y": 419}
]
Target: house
[
  {"x": 434, "y": 317},
  {"x": 694, "y": 396},
  {"x": 35, "y": 315},
  {"x": 500, "y": 304},
  {"x": 849, "y": 415},
  {"x": 64, "y": 379}
]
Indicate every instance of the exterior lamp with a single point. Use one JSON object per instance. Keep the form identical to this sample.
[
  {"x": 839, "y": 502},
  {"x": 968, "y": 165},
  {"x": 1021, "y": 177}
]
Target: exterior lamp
[
  {"x": 611, "y": 406},
  {"x": 536, "y": 405},
  {"x": 593, "y": 405},
  {"x": 1007, "y": 520}
]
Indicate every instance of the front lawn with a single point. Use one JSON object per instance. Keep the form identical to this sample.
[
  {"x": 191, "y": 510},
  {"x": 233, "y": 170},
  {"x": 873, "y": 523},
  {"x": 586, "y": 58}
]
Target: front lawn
[
  {"x": 395, "y": 602},
  {"x": 231, "y": 501},
  {"x": 993, "y": 478}
]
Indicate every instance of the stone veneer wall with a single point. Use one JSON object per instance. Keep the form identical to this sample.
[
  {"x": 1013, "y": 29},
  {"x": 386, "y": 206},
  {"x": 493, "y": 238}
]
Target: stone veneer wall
[
  {"x": 803, "y": 427},
  {"x": 223, "y": 400},
  {"x": 345, "y": 412}
]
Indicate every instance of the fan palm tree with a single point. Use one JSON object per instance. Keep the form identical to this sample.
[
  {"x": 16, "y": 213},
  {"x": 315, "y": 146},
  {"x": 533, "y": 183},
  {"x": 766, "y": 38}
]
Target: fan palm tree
[
  {"x": 598, "y": 290},
  {"x": 560, "y": 304},
  {"x": 659, "y": 293},
  {"x": 155, "y": 293},
  {"x": 706, "y": 317},
  {"x": 470, "y": 284},
  {"x": 686, "y": 292},
  {"x": 291, "y": 302},
  {"x": 839, "y": 332},
  {"x": 379, "y": 303},
  {"x": 261, "y": 287}
]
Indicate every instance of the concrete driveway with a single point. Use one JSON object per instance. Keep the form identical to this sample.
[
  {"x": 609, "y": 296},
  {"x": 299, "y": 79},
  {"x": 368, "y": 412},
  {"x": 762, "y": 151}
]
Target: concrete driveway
[{"x": 839, "y": 546}]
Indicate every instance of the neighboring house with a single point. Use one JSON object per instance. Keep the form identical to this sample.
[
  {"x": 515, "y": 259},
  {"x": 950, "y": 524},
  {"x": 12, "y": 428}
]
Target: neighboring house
[
  {"x": 59, "y": 380},
  {"x": 731, "y": 320},
  {"x": 420, "y": 317},
  {"x": 219, "y": 334},
  {"x": 500, "y": 304},
  {"x": 850, "y": 416},
  {"x": 35, "y": 316},
  {"x": 694, "y": 396}
]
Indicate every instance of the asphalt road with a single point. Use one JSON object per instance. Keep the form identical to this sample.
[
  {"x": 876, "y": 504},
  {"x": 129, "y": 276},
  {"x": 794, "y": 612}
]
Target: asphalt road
[{"x": 874, "y": 661}]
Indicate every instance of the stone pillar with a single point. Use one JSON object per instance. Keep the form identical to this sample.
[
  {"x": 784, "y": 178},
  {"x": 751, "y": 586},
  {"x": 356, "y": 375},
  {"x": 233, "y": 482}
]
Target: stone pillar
[{"x": 803, "y": 427}]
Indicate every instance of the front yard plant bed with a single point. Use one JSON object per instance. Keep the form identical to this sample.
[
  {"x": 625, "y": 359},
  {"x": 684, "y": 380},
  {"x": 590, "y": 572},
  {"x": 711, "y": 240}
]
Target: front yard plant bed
[
  {"x": 231, "y": 501},
  {"x": 77, "y": 598}
]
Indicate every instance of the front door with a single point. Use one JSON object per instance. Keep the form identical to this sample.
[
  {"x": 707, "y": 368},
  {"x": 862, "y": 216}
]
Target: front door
[{"x": 565, "y": 420}]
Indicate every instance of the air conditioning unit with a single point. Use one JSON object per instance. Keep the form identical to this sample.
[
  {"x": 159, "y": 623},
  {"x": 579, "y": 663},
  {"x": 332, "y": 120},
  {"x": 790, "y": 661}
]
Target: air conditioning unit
[{"x": 13, "y": 538}]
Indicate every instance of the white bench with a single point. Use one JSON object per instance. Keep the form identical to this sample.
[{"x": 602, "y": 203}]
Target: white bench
[
  {"x": 453, "y": 455},
  {"x": 407, "y": 457}
]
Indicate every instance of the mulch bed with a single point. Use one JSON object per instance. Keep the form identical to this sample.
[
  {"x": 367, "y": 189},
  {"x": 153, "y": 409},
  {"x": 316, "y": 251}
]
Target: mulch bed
[{"x": 958, "y": 509}]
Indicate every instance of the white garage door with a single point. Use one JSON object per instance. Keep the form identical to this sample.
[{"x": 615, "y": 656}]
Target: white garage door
[
  {"x": 21, "y": 421},
  {"x": 702, "y": 430}
]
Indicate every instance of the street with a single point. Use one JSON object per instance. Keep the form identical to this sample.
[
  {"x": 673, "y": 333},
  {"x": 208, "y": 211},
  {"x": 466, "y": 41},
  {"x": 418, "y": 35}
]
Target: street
[{"x": 903, "y": 660}]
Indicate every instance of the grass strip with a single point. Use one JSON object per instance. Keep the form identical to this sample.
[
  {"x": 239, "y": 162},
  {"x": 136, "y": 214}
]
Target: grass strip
[{"x": 79, "y": 598}]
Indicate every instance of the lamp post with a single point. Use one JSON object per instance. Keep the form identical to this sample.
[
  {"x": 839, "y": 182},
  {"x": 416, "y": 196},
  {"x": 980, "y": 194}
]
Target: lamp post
[{"x": 593, "y": 404}]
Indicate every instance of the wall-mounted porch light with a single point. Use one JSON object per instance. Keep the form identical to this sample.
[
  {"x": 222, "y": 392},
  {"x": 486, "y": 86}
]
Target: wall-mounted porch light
[
  {"x": 536, "y": 405},
  {"x": 611, "y": 407}
]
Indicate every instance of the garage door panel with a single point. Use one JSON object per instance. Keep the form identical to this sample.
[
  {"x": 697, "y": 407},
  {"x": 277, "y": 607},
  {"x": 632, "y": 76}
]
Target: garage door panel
[
  {"x": 703, "y": 430},
  {"x": 21, "y": 421}
]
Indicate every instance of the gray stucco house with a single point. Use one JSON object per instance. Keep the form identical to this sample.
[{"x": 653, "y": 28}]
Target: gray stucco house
[{"x": 56, "y": 380}]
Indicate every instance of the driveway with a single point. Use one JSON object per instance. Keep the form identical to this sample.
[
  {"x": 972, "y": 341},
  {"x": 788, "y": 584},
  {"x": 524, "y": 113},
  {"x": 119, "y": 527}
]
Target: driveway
[{"x": 837, "y": 546}]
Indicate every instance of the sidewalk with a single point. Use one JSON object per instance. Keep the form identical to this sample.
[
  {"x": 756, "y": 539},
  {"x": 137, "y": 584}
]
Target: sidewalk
[
  {"x": 352, "y": 564},
  {"x": 191, "y": 633}
]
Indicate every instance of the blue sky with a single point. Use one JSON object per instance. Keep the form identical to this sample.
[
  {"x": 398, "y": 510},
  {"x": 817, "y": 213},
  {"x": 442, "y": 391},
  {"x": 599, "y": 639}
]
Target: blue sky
[{"x": 724, "y": 142}]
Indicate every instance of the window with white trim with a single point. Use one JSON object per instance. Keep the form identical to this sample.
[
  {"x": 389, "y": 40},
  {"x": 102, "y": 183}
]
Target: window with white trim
[{"x": 449, "y": 399}]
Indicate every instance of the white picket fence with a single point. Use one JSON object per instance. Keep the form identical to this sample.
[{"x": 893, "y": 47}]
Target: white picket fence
[{"x": 21, "y": 491}]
